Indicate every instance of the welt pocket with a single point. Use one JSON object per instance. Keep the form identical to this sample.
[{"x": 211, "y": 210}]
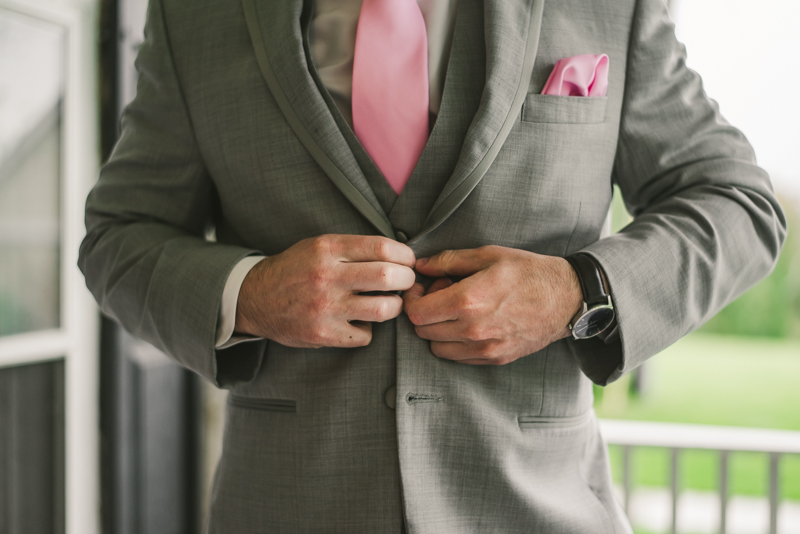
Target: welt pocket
[
  {"x": 564, "y": 109},
  {"x": 255, "y": 403},
  {"x": 535, "y": 421}
]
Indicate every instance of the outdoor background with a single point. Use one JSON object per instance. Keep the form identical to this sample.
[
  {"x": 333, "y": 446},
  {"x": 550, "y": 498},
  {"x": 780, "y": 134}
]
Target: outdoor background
[{"x": 743, "y": 367}]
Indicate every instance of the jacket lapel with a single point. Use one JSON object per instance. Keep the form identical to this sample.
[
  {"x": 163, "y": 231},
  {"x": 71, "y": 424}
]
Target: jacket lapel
[
  {"x": 512, "y": 39},
  {"x": 464, "y": 83},
  {"x": 274, "y": 28}
]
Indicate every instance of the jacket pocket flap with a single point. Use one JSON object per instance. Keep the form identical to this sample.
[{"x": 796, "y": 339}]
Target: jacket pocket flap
[
  {"x": 564, "y": 109},
  {"x": 534, "y": 421},
  {"x": 254, "y": 403}
]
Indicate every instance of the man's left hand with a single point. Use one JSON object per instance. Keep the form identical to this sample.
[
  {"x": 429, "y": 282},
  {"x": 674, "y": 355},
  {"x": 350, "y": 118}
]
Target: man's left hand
[{"x": 511, "y": 303}]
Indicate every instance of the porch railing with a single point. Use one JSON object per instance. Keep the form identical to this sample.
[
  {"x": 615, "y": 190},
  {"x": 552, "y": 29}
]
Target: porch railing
[{"x": 724, "y": 440}]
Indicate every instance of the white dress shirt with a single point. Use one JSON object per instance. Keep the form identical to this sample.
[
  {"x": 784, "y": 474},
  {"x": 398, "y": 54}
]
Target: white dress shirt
[{"x": 332, "y": 43}]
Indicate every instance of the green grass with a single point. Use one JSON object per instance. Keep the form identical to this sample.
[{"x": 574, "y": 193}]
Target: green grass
[
  {"x": 699, "y": 470},
  {"x": 715, "y": 380}
]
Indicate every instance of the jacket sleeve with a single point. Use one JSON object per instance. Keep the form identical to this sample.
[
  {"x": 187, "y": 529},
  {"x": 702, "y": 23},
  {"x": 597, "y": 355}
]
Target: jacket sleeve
[
  {"x": 706, "y": 224},
  {"x": 145, "y": 257}
]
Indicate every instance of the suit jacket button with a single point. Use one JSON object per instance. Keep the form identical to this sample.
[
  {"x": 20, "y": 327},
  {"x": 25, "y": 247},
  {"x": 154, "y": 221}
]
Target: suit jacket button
[
  {"x": 401, "y": 236},
  {"x": 391, "y": 397}
]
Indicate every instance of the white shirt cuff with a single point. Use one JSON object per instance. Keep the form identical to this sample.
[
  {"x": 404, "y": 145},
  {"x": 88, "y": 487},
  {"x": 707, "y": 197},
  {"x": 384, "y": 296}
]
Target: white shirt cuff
[{"x": 230, "y": 298}]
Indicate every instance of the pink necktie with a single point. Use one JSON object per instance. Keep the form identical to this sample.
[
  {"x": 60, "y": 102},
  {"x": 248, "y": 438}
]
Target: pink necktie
[{"x": 390, "y": 86}]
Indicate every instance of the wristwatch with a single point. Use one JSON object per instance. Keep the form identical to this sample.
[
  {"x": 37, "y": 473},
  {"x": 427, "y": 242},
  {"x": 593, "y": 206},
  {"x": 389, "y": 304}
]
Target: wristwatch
[{"x": 597, "y": 312}]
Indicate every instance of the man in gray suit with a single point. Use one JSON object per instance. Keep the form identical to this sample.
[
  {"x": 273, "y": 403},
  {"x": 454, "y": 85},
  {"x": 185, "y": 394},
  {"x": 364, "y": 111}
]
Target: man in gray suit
[{"x": 346, "y": 414}]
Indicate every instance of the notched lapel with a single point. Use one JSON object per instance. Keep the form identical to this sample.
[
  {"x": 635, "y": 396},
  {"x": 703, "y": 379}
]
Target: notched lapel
[
  {"x": 512, "y": 38},
  {"x": 274, "y": 28}
]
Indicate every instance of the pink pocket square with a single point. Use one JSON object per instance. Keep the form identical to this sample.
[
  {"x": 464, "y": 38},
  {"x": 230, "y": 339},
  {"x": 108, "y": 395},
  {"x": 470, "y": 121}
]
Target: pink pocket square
[{"x": 582, "y": 75}]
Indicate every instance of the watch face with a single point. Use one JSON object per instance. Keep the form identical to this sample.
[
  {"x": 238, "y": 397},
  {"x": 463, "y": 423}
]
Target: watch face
[{"x": 593, "y": 322}]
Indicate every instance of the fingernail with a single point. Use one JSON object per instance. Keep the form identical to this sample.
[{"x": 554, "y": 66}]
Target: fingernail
[{"x": 421, "y": 262}]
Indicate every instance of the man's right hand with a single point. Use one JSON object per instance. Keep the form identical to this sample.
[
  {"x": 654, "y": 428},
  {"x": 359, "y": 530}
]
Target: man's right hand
[{"x": 308, "y": 295}]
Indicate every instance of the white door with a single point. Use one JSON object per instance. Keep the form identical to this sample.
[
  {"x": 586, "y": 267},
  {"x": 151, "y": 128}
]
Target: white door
[{"x": 48, "y": 322}]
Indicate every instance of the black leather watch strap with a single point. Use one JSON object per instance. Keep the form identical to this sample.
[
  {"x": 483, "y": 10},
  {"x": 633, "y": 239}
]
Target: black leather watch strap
[{"x": 590, "y": 278}]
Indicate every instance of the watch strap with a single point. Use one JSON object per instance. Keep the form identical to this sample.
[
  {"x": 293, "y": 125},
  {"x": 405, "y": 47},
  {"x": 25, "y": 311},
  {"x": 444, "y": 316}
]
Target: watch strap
[{"x": 590, "y": 278}]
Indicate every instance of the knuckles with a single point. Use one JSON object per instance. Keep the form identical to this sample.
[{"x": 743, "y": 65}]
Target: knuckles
[
  {"x": 322, "y": 245},
  {"x": 318, "y": 279},
  {"x": 320, "y": 336},
  {"x": 387, "y": 309},
  {"x": 504, "y": 270},
  {"x": 476, "y": 332},
  {"x": 381, "y": 248},
  {"x": 493, "y": 353},
  {"x": 318, "y": 306},
  {"x": 382, "y": 310},
  {"x": 386, "y": 275},
  {"x": 445, "y": 257},
  {"x": 467, "y": 302},
  {"x": 490, "y": 351}
]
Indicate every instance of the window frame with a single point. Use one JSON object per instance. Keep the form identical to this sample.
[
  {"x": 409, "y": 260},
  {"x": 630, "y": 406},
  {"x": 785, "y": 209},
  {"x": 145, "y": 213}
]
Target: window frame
[{"x": 76, "y": 340}]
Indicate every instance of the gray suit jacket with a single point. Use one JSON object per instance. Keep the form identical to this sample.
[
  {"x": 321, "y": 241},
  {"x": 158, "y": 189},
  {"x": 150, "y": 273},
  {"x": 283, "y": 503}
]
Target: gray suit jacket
[{"x": 229, "y": 131}]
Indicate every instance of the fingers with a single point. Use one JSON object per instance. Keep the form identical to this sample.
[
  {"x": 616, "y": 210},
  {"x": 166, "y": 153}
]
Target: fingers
[
  {"x": 356, "y": 248},
  {"x": 456, "y": 262},
  {"x": 373, "y": 308},
  {"x": 485, "y": 353},
  {"x": 418, "y": 291},
  {"x": 433, "y": 307},
  {"x": 412, "y": 295},
  {"x": 445, "y": 331},
  {"x": 376, "y": 276},
  {"x": 453, "y": 350},
  {"x": 477, "y": 362},
  {"x": 439, "y": 284},
  {"x": 337, "y": 334},
  {"x": 355, "y": 334}
]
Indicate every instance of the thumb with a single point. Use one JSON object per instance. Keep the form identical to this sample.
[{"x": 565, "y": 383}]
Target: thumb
[
  {"x": 462, "y": 262},
  {"x": 413, "y": 294}
]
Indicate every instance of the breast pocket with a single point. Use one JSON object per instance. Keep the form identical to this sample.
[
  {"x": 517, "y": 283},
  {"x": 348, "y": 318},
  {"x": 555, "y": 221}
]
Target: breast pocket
[{"x": 564, "y": 109}]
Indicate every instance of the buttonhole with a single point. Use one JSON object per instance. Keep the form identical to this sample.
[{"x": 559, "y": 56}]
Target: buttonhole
[{"x": 416, "y": 398}]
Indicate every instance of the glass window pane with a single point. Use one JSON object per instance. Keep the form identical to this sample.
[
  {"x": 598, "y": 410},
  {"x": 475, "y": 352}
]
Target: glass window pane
[{"x": 31, "y": 91}]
